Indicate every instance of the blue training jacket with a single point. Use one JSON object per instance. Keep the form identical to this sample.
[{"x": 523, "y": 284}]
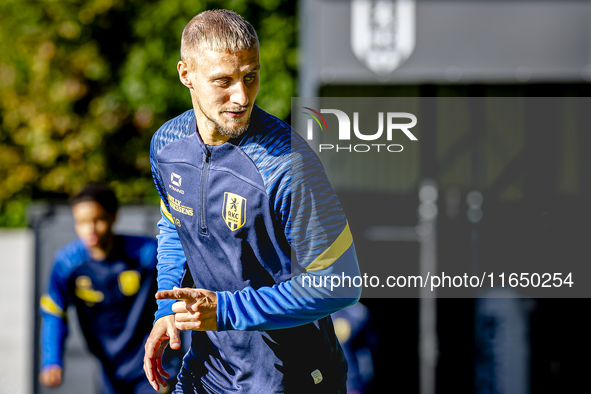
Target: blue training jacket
[
  {"x": 257, "y": 221},
  {"x": 114, "y": 301}
]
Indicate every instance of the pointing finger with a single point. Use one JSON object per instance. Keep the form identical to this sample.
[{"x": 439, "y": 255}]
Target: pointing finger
[{"x": 178, "y": 294}]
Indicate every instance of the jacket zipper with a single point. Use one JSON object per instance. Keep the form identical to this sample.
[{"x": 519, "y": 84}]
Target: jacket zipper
[{"x": 204, "y": 175}]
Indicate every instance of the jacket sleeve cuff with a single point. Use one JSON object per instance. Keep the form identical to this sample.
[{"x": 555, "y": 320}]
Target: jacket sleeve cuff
[
  {"x": 223, "y": 321},
  {"x": 52, "y": 360},
  {"x": 164, "y": 309}
]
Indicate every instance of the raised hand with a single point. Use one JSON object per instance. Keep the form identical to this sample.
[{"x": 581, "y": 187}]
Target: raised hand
[{"x": 196, "y": 309}]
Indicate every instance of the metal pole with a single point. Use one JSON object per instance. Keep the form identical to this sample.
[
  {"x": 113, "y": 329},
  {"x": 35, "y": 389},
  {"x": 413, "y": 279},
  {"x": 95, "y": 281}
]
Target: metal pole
[
  {"x": 428, "y": 341},
  {"x": 37, "y": 217}
]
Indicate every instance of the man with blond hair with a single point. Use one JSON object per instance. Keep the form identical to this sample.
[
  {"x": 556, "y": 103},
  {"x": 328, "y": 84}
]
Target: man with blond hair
[{"x": 247, "y": 207}]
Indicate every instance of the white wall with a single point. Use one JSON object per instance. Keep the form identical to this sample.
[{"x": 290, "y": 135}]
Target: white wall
[{"x": 17, "y": 288}]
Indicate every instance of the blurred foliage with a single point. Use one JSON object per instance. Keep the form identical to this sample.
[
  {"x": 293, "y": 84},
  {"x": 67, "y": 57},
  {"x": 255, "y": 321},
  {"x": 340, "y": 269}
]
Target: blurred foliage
[{"x": 84, "y": 85}]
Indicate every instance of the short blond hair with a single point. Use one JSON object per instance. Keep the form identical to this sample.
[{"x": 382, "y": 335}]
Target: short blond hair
[{"x": 216, "y": 30}]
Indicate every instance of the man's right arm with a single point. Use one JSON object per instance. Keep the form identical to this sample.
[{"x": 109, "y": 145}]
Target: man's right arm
[
  {"x": 171, "y": 260},
  {"x": 171, "y": 265},
  {"x": 54, "y": 328},
  {"x": 171, "y": 257}
]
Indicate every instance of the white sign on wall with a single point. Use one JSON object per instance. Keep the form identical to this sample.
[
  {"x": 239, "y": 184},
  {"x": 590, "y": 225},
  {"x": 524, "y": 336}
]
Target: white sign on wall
[{"x": 383, "y": 32}]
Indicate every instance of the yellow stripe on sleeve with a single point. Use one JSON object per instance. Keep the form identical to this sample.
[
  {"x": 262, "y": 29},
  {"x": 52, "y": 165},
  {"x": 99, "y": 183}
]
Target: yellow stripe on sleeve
[
  {"x": 336, "y": 250},
  {"x": 165, "y": 212},
  {"x": 48, "y": 305}
]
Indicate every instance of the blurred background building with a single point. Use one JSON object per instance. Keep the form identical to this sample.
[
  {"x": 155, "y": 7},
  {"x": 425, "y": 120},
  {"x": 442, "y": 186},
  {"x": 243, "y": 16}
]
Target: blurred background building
[
  {"x": 84, "y": 85},
  {"x": 511, "y": 189}
]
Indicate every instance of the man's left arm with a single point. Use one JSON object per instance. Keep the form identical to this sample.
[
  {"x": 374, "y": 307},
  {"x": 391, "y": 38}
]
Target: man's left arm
[{"x": 302, "y": 299}]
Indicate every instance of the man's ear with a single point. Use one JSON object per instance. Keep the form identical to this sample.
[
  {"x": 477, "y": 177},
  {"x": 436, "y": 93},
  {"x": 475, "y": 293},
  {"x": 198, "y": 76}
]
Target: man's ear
[{"x": 183, "y": 70}]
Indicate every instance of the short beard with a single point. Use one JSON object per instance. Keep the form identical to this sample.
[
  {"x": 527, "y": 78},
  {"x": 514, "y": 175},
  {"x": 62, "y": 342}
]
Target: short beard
[
  {"x": 231, "y": 133},
  {"x": 226, "y": 132}
]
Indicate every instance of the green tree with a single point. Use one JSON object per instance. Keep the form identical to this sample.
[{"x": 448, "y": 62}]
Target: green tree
[{"x": 84, "y": 85}]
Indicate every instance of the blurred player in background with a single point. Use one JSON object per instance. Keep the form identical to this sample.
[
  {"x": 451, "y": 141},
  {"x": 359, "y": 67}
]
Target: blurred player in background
[
  {"x": 234, "y": 209},
  {"x": 111, "y": 280},
  {"x": 359, "y": 340}
]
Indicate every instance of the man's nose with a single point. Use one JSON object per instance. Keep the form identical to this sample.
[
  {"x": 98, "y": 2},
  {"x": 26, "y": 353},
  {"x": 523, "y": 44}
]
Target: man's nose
[{"x": 239, "y": 95}]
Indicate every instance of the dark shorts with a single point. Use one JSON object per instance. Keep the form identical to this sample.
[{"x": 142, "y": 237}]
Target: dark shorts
[{"x": 190, "y": 384}]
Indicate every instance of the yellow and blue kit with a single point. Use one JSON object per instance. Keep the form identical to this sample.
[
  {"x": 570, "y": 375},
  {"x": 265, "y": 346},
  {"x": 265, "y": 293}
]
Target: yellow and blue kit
[
  {"x": 255, "y": 218},
  {"x": 114, "y": 301}
]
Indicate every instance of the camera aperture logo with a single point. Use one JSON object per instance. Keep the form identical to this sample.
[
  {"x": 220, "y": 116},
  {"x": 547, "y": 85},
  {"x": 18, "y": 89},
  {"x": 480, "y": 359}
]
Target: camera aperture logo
[{"x": 393, "y": 125}]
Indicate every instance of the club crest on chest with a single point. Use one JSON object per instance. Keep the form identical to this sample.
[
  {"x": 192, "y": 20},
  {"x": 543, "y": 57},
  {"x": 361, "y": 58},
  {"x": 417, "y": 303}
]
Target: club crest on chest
[{"x": 234, "y": 211}]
